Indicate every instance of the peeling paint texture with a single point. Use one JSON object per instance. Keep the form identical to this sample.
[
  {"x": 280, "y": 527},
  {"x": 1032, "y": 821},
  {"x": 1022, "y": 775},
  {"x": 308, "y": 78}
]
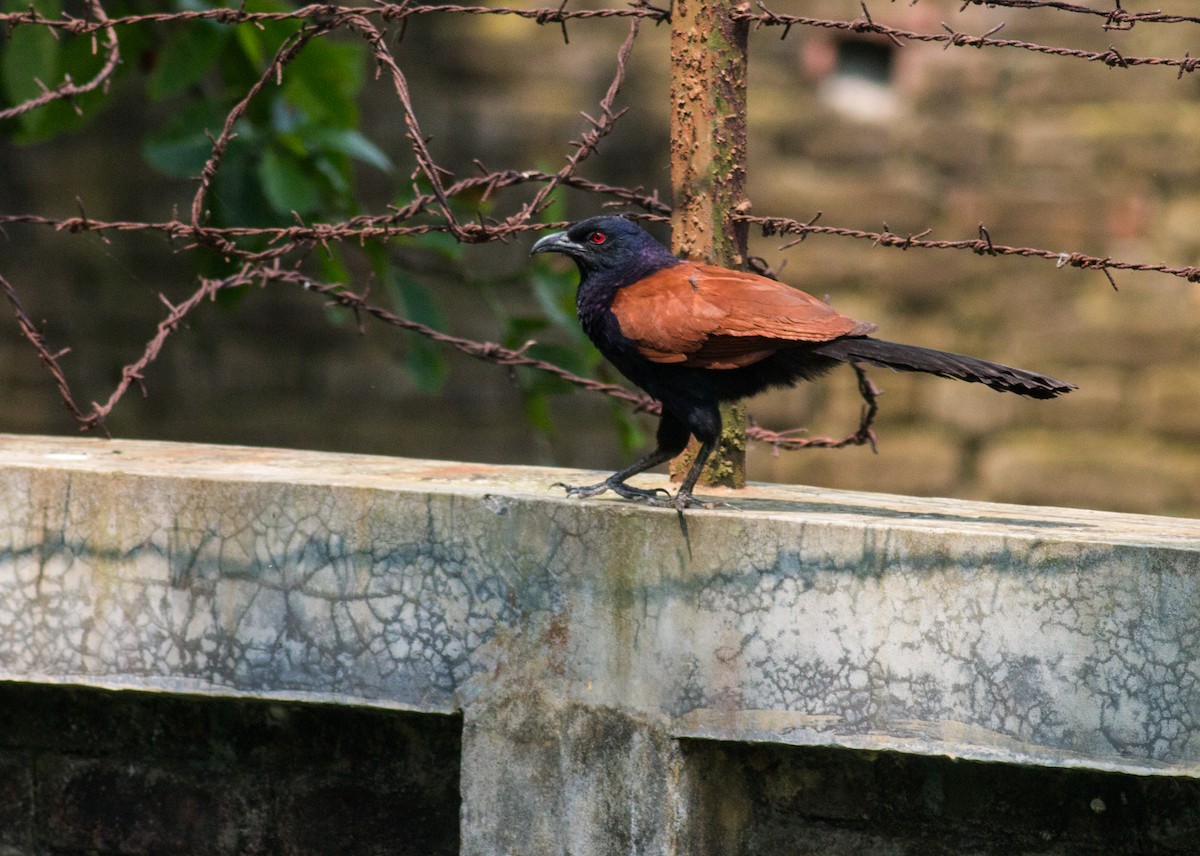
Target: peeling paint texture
[{"x": 809, "y": 617}]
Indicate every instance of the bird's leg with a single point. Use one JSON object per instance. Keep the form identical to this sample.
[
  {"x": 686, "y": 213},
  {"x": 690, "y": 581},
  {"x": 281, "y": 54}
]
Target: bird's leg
[
  {"x": 616, "y": 482},
  {"x": 706, "y": 425},
  {"x": 672, "y": 437},
  {"x": 684, "y": 498}
]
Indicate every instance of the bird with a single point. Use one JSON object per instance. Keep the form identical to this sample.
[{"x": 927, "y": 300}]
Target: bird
[{"x": 693, "y": 335}]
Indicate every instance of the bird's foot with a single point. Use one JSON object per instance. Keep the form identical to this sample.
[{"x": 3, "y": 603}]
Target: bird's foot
[
  {"x": 685, "y": 499},
  {"x": 618, "y": 487},
  {"x": 657, "y": 498}
]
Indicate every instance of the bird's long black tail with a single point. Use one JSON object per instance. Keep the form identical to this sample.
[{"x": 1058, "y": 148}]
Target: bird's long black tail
[{"x": 911, "y": 358}]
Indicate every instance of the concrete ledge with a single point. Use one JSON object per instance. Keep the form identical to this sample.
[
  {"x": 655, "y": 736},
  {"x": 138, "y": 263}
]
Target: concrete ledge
[
  {"x": 583, "y": 642},
  {"x": 1039, "y": 635},
  {"x": 810, "y": 617}
]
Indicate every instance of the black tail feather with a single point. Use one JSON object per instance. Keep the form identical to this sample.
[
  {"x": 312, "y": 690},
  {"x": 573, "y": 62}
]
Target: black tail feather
[{"x": 912, "y": 358}]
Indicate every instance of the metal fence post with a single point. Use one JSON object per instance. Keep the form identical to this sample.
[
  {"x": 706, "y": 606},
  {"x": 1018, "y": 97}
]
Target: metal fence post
[{"x": 708, "y": 174}]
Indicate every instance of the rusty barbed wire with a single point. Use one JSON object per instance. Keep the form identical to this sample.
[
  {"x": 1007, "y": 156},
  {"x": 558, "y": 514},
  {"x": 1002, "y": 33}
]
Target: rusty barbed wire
[
  {"x": 318, "y": 21},
  {"x": 493, "y": 353},
  {"x": 68, "y": 89},
  {"x": 315, "y": 12},
  {"x": 1115, "y": 18},
  {"x": 863, "y": 435},
  {"x": 363, "y": 227},
  {"x": 287, "y": 51},
  {"x": 951, "y": 38},
  {"x": 338, "y": 295},
  {"x": 982, "y": 245},
  {"x": 324, "y": 15},
  {"x": 49, "y": 359},
  {"x": 586, "y": 145},
  {"x": 431, "y": 210}
]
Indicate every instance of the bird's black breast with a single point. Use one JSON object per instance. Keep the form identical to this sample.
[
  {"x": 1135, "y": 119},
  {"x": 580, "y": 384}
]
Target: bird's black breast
[
  {"x": 593, "y": 304},
  {"x": 598, "y": 287}
]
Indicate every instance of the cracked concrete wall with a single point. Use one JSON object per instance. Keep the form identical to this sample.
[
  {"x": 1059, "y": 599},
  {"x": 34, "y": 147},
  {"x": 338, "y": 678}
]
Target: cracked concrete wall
[{"x": 805, "y": 617}]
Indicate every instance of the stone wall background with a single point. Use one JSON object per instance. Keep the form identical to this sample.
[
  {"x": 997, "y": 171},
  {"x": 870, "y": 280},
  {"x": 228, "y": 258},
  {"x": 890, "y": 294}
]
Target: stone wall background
[{"x": 1046, "y": 152}]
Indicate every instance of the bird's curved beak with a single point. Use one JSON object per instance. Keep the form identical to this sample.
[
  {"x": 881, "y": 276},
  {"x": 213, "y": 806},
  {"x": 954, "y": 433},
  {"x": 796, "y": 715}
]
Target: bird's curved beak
[{"x": 557, "y": 242}]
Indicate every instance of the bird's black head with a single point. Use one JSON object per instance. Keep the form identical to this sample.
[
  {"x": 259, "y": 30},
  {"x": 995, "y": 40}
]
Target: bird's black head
[{"x": 609, "y": 246}]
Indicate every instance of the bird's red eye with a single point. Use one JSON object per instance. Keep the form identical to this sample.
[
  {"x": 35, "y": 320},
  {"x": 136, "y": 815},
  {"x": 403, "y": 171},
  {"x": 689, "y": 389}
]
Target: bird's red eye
[{"x": 597, "y": 237}]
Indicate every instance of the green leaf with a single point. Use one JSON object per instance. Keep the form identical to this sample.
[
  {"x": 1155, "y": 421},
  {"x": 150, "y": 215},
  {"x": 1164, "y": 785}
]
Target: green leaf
[
  {"x": 555, "y": 293},
  {"x": 532, "y": 380},
  {"x": 335, "y": 169},
  {"x": 177, "y": 150},
  {"x": 238, "y": 196},
  {"x": 414, "y": 299},
  {"x": 537, "y": 411},
  {"x": 182, "y": 147},
  {"x": 442, "y": 243},
  {"x": 250, "y": 41},
  {"x": 291, "y": 143},
  {"x": 77, "y": 60},
  {"x": 182, "y": 156},
  {"x": 324, "y": 79},
  {"x": 350, "y": 142},
  {"x": 426, "y": 365},
  {"x": 519, "y": 329},
  {"x": 286, "y": 118},
  {"x": 629, "y": 430},
  {"x": 189, "y": 54},
  {"x": 258, "y": 43},
  {"x": 31, "y": 54},
  {"x": 556, "y": 209},
  {"x": 331, "y": 266},
  {"x": 287, "y": 184}
]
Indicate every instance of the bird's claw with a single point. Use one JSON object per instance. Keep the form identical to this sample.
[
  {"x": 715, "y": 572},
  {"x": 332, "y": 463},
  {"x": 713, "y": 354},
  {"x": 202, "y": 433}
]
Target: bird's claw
[
  {"x": 656, "y": 498},
  {"x": 619, "y": 488},
  {"x": 682, "y": 500},
  {"x": 581, "y": 491}
]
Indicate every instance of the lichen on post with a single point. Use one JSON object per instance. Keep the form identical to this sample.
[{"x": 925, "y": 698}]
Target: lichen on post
[{"x": 708, "y": 175}]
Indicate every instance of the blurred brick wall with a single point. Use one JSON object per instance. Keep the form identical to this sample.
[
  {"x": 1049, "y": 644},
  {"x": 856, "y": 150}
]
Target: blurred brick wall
[
  {"x": 1052, "y": 153},
  {"x": 1047, "y": 152}
]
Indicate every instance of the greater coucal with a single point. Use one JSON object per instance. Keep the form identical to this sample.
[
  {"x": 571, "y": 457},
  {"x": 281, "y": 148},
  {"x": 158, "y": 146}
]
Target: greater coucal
[{"x": 693, "y": 335}]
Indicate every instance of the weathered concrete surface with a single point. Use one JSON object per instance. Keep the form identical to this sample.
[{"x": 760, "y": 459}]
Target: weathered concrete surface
[{"x": 810, "y": 617}]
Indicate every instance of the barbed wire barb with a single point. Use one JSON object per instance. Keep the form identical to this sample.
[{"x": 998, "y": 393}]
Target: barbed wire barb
[
  {"x": 952, "y": 38},
  {"x": 981, "y": 245},
  {"x": 68, "y": 89},
  {"x": 276, "y": 255}
]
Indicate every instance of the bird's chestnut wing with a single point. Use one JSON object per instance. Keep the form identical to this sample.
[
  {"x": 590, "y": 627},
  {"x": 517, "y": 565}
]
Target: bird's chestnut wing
[{"x": 710, "y": 317}]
